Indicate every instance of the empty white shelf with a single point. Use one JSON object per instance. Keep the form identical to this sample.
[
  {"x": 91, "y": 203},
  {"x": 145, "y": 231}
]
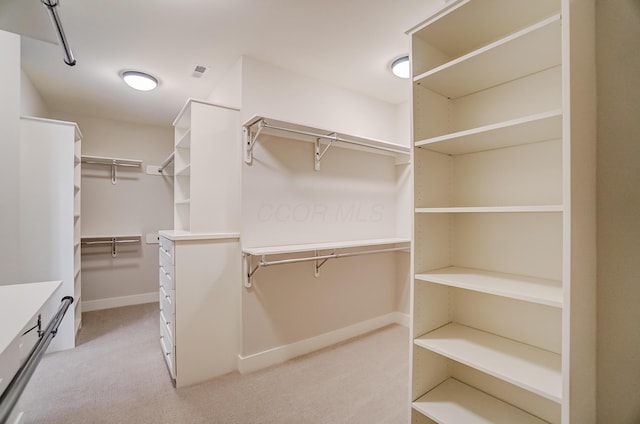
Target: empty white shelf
[
  {"x": 310, "y": 247},
  {"x": 524, "y": 130},
  {"x": 525, "y": 366},
  {"x": 453, "y": 402},
  {"x": 493, "y": 209},
  {"x": 536, "y": 48},
  {"x": 530, "y": 289},
  {"x": 184, "y": 171},
  {"x": 183, "y": 202},
  {"x": 185, "y": 141}
]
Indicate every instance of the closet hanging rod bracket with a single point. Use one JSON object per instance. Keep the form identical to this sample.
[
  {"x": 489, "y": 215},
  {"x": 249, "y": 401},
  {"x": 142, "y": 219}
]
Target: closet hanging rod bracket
[
  {"x": 250, "y": 140},
  {"x": 320, "y": 154}
]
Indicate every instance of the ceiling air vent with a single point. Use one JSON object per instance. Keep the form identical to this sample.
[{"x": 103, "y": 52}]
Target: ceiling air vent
[{"x": 199, "y": 71}]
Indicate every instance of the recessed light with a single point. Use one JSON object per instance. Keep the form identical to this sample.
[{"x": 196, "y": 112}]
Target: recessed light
[
  {"x": 139, "y": 80},
  {"x": 400, "y": 67}
]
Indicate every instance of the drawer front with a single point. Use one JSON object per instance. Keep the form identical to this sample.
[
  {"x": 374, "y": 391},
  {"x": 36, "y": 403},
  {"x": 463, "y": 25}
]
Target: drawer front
[
  {"x": 168, "y": 348},
  {"x": 166, "y": 320},
  {"x": 167, "y": 301},
  {"x": 166, "y": 250},
  {"x": 166, "y": 278}
]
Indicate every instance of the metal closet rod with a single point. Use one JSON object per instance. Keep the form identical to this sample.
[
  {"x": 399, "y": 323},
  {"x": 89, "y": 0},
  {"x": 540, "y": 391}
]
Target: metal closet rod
[
  {"x": 14, "y": 390},
  {"x": 52, "y": 8}
]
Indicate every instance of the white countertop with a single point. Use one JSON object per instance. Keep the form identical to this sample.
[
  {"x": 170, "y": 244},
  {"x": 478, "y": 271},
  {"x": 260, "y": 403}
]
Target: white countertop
[{"x": 19, "y": 303}]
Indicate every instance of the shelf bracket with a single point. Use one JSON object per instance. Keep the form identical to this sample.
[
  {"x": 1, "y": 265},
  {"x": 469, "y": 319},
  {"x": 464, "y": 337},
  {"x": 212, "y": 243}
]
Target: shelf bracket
[
  {"x": 250, "y": 140},
  {"x": 319, "y": 263},
  {"x": 320, "y": 154}
]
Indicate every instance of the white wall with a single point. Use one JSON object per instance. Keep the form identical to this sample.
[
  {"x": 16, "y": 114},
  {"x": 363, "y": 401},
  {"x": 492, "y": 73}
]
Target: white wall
[
  {"x": 32, "y": 103},
  {"x": 618, "y": 185},
  {"x": 138, "y": 204},
  {"x": 281, "y": 94},
  {"x": 9, "y": 164}
]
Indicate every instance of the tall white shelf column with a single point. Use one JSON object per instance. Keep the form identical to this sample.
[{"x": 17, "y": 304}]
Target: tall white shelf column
[
  {"x": 199, "y": 260},
  {"x": 50, "y": 223},
  {"x": 503, "y": 297}
]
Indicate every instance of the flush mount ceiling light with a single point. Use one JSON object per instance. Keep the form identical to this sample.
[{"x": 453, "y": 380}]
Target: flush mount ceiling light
[
  {"x": 400, "y": 67},
  {"x": 139, "y": 80}
]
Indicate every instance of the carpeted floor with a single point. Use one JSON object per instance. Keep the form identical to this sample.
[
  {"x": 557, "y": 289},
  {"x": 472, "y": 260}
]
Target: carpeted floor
[{"x": 117, "y": 375}]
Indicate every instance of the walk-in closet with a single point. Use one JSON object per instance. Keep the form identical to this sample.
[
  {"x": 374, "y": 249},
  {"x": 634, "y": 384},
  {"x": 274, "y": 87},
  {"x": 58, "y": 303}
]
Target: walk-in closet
[{"x": 274, "y": 211}]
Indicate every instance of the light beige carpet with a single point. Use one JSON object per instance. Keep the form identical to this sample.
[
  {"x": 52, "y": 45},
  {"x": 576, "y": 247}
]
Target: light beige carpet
[{"x": 117, "y": 375}]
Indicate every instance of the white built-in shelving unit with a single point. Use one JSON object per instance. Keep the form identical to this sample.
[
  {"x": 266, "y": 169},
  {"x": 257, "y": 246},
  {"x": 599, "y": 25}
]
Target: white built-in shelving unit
[
  {"x": 503, "y": 291},
  {"x": 199, "y": 259},
  {"x": 202, "y": 157},
  {"x": 50, "y": 161}
]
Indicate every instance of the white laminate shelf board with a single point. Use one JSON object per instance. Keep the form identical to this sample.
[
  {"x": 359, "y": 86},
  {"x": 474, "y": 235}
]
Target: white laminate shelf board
[
  {"x": 453, "y": 402},
  {"x": 296, "y": 248},
  {"x": 183, "y": 202},
  {"x": 525, "y": 366},
  {"x": 525, "y": 130},
  {"x": 185, "y": 141},
  {"x": 523, "y": 53},
  {"x": 535, "y": 290},
  {"x": 493, "y": 209}
]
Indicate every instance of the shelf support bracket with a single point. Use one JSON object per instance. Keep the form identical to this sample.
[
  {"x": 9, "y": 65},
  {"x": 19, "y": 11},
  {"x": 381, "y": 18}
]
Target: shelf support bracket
[
  {"x": 320, "y": 154},
  {"x": 250, "y": 141},
  {"x": 319, "y": 263}
]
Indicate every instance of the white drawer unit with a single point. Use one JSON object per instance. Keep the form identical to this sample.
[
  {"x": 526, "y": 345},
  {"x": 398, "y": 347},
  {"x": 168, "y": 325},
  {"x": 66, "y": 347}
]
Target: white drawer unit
[{"x": 199, "y": 290}]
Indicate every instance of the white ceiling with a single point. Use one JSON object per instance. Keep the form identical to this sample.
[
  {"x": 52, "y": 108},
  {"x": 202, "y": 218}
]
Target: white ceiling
[{"x": 349, "y": 43}]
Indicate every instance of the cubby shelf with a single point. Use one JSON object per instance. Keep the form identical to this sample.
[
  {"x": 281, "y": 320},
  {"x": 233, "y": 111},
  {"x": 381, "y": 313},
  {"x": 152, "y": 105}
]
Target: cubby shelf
[
  {"x": 522, "y": 53},
  {"x": 522, "y": 365},
  {"x": 524, "y": 130},
  {"x": 453, "y": 402},
  {"x": 184, "y": 172},
  {"x": 530, "y": 289},
  {"x": 185, "y": 141}
]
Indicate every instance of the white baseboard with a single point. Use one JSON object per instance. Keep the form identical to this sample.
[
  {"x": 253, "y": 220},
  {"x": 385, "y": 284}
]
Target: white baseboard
[
  {"x": 115, "y": 302},
  {"x": 280, "y": 354}
]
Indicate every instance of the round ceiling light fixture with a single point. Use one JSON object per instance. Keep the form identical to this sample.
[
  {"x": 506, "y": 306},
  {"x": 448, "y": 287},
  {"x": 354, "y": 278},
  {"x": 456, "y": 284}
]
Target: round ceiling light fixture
[
  {"x": 140, "y": 80},
  {"x": 400, "y": 67}
]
